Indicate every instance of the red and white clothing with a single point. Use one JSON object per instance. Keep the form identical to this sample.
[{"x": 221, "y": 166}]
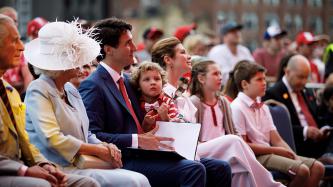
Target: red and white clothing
[{"x": 162, "y": 98}]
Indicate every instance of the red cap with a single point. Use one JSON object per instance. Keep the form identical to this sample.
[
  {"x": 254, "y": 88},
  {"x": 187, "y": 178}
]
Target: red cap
[
  {"x": 182, "y": 31},
  {"x": 305, "y": 38},
  {"x": 34, "y": 25},
  {"x": 152, "y": 33}
]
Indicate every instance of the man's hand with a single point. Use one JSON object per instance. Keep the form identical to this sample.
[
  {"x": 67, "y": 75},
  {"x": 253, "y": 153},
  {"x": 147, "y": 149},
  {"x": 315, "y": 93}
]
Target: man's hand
[
  {"x": 61, "y": 177},
  {"x": 39, "y": 172},
  {"x": 151, "y": 142},
  {"x": 314, "y": 134},
  {"x": 285, "y": 152},
  {"x": 163, "y": 112}
]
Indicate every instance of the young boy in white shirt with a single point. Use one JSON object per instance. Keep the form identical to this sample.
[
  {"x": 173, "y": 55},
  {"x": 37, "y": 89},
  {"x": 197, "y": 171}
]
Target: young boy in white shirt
[{"x": 254, "y": 122}]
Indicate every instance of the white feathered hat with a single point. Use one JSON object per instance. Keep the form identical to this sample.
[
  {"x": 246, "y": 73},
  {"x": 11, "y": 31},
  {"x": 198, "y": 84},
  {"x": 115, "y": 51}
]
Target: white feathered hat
[{"x": 61, "y": 46}]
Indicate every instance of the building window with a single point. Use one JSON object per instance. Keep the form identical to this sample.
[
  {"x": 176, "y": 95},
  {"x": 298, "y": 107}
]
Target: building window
[
  {"x": 288, "y": 20},
  {"x": 226, "y": 16},
  {"x": 272, "y": 2},
  {"x": 295, "y": 2},
  {"x": 250, "y": 1},
  {"x": 298, "y": 23},
  {"x": 271, "y": 19},
  {"x": 316, "y": 24},
  {"x": 250, "y": 20},
  {"x": 331, "y": 25},
  {"x": 315, "y": 3}
]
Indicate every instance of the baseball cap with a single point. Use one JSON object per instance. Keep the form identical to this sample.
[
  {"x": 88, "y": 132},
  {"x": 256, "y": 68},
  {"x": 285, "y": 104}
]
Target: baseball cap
[
  {"x": 152, "y": 33},
  {"x": 182, "y": 31},
  {"x": 273, "y": 32},
  {"x": 35, "y": 24},
  {"x": 306, "y": 38},
  {"x": 230, "y": 26}
]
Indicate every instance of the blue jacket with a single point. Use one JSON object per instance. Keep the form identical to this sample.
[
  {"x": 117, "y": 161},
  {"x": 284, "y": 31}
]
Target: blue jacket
[{"x": 109, "y": 117}]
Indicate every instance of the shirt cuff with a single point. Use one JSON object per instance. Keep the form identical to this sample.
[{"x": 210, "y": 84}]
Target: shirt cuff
[
  {"x": 135, "y": 141},
  {"x": 305, "y": 132},
  {"x": 23, "y": 169}
]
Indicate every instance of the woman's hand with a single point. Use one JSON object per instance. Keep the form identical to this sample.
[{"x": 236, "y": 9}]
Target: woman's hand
[{"x": 110, "y": 153}]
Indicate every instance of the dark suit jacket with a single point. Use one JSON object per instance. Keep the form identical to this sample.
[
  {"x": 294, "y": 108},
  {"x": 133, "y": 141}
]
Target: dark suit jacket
[
  {"x": 279, "y": 92},
  {"x": 109, "y": 117}
]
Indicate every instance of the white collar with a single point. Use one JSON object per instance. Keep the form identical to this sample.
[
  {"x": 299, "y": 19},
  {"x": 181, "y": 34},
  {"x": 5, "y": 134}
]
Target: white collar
[
  {"x": 286, "y": 83},
  {"x": 169, "y": 90},
  {"x": 246, "y": 99},
  {"x": 115, "y": 75}
]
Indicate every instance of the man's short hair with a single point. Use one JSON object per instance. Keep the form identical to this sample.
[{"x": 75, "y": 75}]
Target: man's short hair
[
  {"x": 246, "y": 71},
  {"x": 3, "y": 29},
  {"x": 108, "y": 32}
]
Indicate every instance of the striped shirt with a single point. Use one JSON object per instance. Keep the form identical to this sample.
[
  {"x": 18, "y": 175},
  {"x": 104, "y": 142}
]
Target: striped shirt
[{"x": 172, "y": 110}]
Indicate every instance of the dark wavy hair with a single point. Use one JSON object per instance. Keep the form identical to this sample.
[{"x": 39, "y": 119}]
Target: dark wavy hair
[{"x": 108, "y": 32}]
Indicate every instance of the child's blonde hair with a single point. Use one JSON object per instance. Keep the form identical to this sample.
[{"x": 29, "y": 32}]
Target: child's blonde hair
[{"x": 144, "y": 67}]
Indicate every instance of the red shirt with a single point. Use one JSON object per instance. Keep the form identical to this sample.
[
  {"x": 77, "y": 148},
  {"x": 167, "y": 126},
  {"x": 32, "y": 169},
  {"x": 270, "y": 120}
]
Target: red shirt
[{"x": 269, "y": 61}]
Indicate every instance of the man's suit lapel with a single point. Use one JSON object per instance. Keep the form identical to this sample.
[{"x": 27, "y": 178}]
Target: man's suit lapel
[
  {"x": 132, "y": 96},
  {"x": 111, "y": 85},
  {"x": 6, "y": 118},
  {"x": 286, "y": 96}
]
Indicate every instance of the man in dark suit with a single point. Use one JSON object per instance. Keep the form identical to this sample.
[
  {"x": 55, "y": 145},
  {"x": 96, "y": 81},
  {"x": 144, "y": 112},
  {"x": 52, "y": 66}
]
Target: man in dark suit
[
  {"x": 301, "y": 103},
  {"x": 114, "y": 116}
]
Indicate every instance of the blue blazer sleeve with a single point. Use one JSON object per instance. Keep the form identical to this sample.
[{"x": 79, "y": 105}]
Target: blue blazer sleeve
[{"x": 101, "y": 114}]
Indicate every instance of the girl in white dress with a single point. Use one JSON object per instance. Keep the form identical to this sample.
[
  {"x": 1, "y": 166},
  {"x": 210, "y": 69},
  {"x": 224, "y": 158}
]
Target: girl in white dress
[{"x": 218, "y": 136}]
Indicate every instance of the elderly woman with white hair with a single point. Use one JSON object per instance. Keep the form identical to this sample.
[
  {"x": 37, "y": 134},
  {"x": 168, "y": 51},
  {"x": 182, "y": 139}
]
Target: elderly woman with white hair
[{"x": 56, "y": 119}]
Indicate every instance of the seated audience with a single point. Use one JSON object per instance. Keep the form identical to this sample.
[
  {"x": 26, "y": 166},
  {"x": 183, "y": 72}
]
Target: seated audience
[
  {"x": 21, "y": 163},
  {"x": 115, "y": 117},
  {"x": 231, "y": 51},
  {"x": 254, "y": 122},
  {"x": 271, "y": 54},
  {"x": 56, "y": 119},
  {"x": 175, "y": 67},
  {"x": 301, "y": 102}
]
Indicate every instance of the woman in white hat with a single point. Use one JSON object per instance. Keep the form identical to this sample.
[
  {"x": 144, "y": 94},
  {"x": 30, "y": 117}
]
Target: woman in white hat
[{"x": 56, "y": 119}]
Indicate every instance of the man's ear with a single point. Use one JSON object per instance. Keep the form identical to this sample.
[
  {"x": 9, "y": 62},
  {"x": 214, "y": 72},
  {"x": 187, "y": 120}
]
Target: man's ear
[
  {"x": 108, "y": 50},
  {"x": 244, "y": 84}
]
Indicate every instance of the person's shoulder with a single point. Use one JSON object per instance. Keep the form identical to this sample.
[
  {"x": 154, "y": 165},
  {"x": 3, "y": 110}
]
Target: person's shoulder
[
  {"x": 259, "y": 52},
  {"x": 216, "y": 49},
  {"x": 244, "y": 49}
]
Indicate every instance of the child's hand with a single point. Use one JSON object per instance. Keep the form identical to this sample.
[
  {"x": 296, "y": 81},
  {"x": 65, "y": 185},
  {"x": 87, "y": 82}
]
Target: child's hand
[
  {"x": 149, "y": 121},
  {"x": 284, "y": 152},
  {"x": 163, "y": 112}
]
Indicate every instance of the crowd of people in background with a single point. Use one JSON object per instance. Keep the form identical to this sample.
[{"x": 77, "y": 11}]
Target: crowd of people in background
[{"x": 89, "y": 90}]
